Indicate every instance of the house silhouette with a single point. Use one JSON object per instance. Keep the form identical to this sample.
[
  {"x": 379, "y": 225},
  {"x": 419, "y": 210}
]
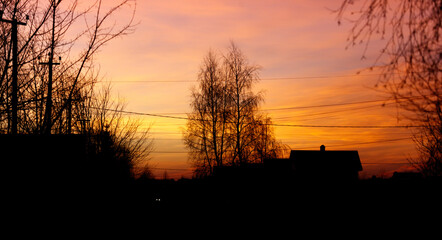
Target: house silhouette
[
  {"x": 317, "y": 165},
  {"x": 307, "y": 166}
]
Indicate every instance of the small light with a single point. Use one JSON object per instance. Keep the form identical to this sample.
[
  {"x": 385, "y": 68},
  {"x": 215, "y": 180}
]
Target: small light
[{"x": 157, "y": 199}]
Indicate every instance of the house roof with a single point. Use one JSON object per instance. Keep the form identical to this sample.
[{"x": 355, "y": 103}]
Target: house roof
[{"x": 326, "y": 160}]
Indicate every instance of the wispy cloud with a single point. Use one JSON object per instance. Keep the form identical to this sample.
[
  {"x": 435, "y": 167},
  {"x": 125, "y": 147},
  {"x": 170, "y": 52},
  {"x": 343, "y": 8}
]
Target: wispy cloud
[{"x": 287, "y": 38}]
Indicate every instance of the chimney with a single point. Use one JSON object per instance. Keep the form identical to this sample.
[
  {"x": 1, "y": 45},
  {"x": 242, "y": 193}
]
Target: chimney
[{"x": 322, "y": 148}]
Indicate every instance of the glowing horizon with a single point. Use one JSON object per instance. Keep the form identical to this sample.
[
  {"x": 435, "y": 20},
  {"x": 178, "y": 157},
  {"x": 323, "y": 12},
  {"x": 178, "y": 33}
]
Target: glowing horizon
[{"x": 304, "y": 62}]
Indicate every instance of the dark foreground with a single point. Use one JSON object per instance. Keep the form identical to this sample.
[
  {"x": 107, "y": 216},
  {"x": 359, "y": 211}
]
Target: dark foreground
[
  {"x": 208, "y": 205},
  {"x": 303, "y": 197},
  {"x": 211, "y": 196},
  {"x": 35, "y": 182}
]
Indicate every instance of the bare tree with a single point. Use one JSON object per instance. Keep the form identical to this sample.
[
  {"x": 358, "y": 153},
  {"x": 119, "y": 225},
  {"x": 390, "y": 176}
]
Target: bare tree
[
  {"x": 224, "y": 128},
  {"x": 240, "y": 78},
  {"x": 265, "y": 145},
  {"x": 429, "y": 146},
  {"x": 55, "y": 58},
  {"x": 57, "y": 79},
  {"x": 410, "y": 62},
  {"x": 115, "y": 141},
  {"x": 206, "y": 135}
]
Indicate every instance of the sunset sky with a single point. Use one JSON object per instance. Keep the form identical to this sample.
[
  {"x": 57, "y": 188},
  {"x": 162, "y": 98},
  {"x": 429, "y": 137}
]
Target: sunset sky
[{"x": 305, "y": 65}]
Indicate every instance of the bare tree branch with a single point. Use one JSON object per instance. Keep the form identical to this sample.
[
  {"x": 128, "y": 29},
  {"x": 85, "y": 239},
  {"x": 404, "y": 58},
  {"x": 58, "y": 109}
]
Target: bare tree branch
[{"x": 410, "y": 61}]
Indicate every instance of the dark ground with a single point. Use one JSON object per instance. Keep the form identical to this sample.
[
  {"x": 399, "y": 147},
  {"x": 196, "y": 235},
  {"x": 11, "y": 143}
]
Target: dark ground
[{"x": 218, "y": 208}]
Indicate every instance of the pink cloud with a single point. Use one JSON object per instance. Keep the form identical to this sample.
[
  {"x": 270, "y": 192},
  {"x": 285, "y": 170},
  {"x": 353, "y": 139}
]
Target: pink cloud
[{"x": 287, "y": 38}]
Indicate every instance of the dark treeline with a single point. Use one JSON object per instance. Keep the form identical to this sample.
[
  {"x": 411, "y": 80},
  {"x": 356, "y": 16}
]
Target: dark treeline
[{"x": 51, "y": 61}]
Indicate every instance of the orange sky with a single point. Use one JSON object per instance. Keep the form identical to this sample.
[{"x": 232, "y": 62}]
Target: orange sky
[{"x": 300, "y": 40}]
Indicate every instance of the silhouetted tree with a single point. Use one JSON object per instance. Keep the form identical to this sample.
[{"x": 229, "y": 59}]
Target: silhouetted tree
[
  {"x": 68, "y": 33},
  {"x": 240, "y": 78},
  {"x": 206, "y": 133},
  {"x": 63, "y": 99},
  {"x": 429, "y": 145},
  {"x": 224, "y": 127},
  {"x": 410, "y": 62},
  {"x": 265, "y": 145},
  {"x": 115, "y": 142}
]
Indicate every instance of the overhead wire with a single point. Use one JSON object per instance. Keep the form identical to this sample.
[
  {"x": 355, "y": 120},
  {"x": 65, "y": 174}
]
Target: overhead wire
[
  {"x": 290, "y": 108},
  {"x": 363, "y": 143},
  {"x": 324, "y": 105},
  {"x": 169, "y": 115},
  {"x": 260, "y": 79},
  {"x": 270, "y": 124},
  {"x": 363, "y": 163},
  {"x": 323, "y": 113},
  {"x": 342, "y": 104},
  {"x": 331, "y": 146}
]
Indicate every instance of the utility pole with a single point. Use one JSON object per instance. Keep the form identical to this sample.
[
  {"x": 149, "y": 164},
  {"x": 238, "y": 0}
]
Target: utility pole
[
  {"x": 48, "y": 112},
  {"x": 14, "y": 38}
]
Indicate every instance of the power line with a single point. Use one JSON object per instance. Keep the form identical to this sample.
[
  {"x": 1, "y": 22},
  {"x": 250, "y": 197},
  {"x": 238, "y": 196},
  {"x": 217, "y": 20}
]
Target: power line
[
  {"x": 273, "y": 124},
  {"x": 363, "y": 163},
  {"x": 361, "y": 143},
  {"x": 371, "y": 142},
  {"x": 317, "y": 106},
  {"x": 171, "y": 169},
  {"x": 146, "y": 114},
  {"x": 295, "y": 107},
  {"x": 303, "y": 107},
  {"x": 275, "y": 109},
  {"x": 323, "y": 105},
  {"x": 343, "y": 126},
  {"x": 341, "y": 104},
  {"x": 169, "y": 152},
  {"x": 324, "y": 113},
  {"x": 261, "y": 79},
  {"x": 338, "y": 145},
  {"x": 385, "y": 163}
]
